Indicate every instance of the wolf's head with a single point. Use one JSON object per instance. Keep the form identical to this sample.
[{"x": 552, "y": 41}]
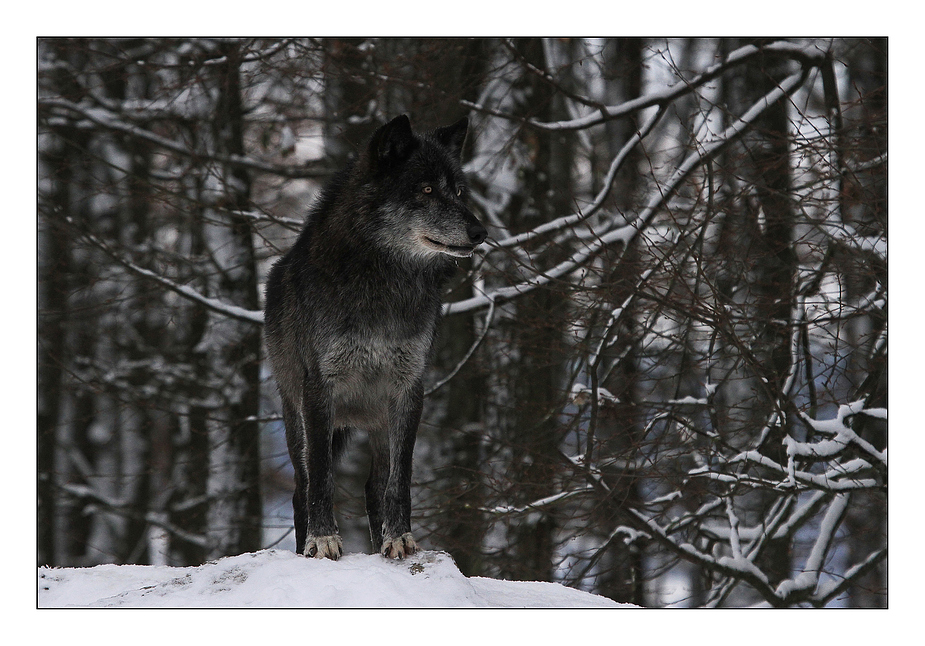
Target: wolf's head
[{"x": 420, "y": 190}]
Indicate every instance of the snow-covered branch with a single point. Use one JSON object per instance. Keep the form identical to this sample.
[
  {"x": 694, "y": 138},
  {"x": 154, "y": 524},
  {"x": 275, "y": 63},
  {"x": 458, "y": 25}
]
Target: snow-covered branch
[
  {"x": 738, "y": 568},
  {"x": 841, "y": 477},
  {"x": 123, "y": 508},
  {"x": 626, "y": 234},
  {"x": 233, "y": 311},
  {"x": 804, "y": 583},
  {"x": 571, "y": 220},
  {"x": 740, "y": 564},
  {"x": 841, "y": 435},
  {"x": 489, "y": 317},
  {"x": 110, "y": 121},
  {"x": 806, "y": 55},
  {"x": 537, "y": 504},
  {"x": 827, "y": 591}
]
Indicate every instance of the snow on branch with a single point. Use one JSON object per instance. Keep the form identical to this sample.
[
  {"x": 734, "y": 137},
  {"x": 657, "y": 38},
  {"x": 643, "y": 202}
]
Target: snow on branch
[
  {"x": 805, "y": 586},
  {"x": 628, "y": 233},
  {"x": 110, "y": 121},
  {"x": 842, "y": 434},
  {"x": 537, "y": 504},
  {"x": 827, "y": 591},
  {"x": 123, "y": 508},
  {"x": 487, "y": 325},
  {"x": 599, "y": 199},
  {"x": 806, "y": 581},
  {"x": 736, "y": 556},
  {"x": 738, "y": 568},
  {"x": 214, "y": 304},
  {"x": 839, "y": 478},
  {"x": 807, "y": 55}
]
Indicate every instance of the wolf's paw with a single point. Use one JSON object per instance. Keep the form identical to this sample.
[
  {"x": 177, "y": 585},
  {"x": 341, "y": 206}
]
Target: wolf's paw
[
  {"x": 400, "y": 547},
  {"x": 321, "y": 547}
]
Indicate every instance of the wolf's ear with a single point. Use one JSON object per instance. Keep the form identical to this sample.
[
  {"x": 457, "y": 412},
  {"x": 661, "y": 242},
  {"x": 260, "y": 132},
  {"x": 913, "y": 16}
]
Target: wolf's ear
[
  {"x": 392, "y": 142},
  {"x": 453, "y": 137}
]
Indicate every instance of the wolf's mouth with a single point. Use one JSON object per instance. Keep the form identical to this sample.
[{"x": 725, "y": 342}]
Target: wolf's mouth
[{"x": 452, "y": 250}]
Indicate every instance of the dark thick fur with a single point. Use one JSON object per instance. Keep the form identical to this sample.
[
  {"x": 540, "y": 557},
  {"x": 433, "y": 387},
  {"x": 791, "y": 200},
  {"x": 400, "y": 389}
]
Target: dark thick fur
[{"x": 351, "y": 315}]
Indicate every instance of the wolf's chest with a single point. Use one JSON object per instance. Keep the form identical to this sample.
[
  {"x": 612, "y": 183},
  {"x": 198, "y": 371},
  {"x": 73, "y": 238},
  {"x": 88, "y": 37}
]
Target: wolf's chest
[
  {"x": 367, "y": 374},
  {"x": 356, "y": 358}
]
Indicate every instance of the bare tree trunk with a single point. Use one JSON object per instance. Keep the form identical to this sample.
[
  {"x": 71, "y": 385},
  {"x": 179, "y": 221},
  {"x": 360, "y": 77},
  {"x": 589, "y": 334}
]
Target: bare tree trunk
[
  {"x": 763, "y": 160},
  {"x": 453, "y": 69},
  {"x": 228, "y": 350},
  {"x": 864, "y": 208},
  {"x": 538, "y": 334},
  {"x": 53, "y": 266},
  {"x": 350, "y": 98},
  {"x": 622, "y": 573}
]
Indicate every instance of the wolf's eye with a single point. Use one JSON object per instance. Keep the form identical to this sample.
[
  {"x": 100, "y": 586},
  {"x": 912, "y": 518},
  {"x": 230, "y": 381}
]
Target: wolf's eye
[
  {"x": 428, "y": 189},
  {"x": 458, "y": 192}
]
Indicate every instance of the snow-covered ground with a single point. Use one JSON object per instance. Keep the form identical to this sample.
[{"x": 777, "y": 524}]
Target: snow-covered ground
[{"x": 283, "y": 579}]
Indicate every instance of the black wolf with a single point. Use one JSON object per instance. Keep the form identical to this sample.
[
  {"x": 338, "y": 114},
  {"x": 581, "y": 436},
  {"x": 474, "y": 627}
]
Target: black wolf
[{"x": 351, "y": 315}]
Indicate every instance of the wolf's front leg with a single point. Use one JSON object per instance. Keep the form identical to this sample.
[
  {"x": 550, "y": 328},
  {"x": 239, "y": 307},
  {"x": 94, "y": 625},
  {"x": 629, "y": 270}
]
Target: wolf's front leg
[
  {"x": 320, "y": 547},
  {"x": 399, "y": 548},
  {"x": 322, "y": 539},
  {"x": 397, "y": 542}
]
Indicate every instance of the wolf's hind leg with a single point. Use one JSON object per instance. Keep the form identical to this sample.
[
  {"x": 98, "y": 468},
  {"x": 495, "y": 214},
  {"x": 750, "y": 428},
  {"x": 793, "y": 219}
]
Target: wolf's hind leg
[
  {"x": 295, "y": 439},
  {"x": 376, "y": 484}
]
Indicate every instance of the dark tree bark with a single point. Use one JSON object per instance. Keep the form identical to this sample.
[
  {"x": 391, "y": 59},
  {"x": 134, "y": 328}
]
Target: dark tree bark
[
  {"x": 762, "y": 161},
  {"x": 537, "y": 332},
  {"x": 622, "y": 575},
  {"x": 228, "y": 352}
]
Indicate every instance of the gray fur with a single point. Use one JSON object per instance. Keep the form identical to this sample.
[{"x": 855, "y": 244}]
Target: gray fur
[{"x": 351, "y": 315}]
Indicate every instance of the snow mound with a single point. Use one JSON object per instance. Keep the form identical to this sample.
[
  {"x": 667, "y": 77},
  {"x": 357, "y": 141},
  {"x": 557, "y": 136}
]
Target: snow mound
[{"x": 279, "y": 578}]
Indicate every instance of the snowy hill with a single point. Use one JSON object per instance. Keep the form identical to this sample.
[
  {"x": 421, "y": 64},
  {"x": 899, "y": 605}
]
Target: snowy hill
[{"x": 279, "y": 578}]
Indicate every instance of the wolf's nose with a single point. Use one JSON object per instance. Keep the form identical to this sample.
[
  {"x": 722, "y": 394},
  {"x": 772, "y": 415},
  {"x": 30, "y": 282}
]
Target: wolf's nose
[{"x": 477, "y": 233}]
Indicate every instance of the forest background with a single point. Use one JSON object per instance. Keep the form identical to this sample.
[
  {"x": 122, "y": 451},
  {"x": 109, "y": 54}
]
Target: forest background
[{"x": 664, "y": 381}]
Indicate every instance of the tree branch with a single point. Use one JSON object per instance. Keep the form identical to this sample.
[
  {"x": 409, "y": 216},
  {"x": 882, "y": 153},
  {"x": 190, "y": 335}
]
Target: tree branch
[
  {"x": 109, "y": 121},
  {"x": 233, "y": 311},
  {"x": 807, "y": 56},
  {"x": 123, "y": 509},
  {"x": 628, "y": 233}
]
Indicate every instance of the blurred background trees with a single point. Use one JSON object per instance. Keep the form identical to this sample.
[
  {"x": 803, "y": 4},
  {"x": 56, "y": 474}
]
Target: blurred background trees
[{"x": 662, "y": 380}]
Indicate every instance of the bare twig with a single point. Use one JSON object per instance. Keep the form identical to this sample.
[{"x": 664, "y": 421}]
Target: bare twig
[
  {"x": 233, "y": 311},
  {"x": 628, "y": 233}
]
